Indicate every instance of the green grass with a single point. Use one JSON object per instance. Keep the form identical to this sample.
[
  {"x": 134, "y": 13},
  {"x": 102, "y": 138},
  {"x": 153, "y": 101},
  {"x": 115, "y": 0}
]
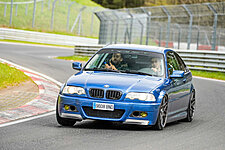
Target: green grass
[
  {"x": 75, "y": 58},
  {"x": 43, "y": 19},
  {"x": 207, "y": 74},
  {"x": 25, "y": 42},
  {"x": 10, "y": 76}
]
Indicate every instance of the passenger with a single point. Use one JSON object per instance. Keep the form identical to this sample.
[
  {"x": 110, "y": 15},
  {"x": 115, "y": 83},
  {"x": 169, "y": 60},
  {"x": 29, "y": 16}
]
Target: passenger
[
  {"x": 116, "y": 62},
  {"x": 154, "y": 67}
]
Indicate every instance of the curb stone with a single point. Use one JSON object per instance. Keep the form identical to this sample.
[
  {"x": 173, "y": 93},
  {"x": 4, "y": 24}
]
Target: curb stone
[{"x": 43, "y": 103}]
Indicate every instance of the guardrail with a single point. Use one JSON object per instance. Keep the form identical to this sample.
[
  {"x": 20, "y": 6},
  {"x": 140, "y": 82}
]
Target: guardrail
[
  {"x": 196, "y": 60},
  {"x": 46, "y": 38},
  {"x": 15, "y": 3}
]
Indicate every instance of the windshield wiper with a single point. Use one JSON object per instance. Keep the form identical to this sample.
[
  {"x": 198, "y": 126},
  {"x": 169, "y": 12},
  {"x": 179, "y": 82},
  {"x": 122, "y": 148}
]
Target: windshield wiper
[
  {"x": 101, "y": 69},
  {"x": 136, "y": 72}
]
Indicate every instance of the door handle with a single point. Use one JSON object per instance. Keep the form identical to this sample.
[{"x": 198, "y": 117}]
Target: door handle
[{"x": 184, "y": 80}]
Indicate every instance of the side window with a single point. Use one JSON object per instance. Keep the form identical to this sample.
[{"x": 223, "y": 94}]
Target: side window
[
  {"x": 181, "y": 63},
  {"x": 172, "y": 63}
]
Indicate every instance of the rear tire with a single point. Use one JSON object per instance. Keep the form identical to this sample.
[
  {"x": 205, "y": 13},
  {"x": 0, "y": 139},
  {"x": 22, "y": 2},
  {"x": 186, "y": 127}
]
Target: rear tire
[
  {"x": 64, "y": 121},
  {"x": 162, "y": 116},
  {"x": 191, "y": 108}
]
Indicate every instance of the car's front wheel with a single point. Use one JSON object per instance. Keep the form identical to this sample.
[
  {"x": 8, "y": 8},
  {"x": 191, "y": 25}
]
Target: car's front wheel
[
  {"x": 162, "y": 116},
  {"x": 64, "y": 121}
]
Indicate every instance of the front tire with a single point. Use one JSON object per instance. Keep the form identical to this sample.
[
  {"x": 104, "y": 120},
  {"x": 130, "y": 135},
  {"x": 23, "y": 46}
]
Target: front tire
[
  {"x": 162, "y": 116},
  {"x": 64, "y": 121}
]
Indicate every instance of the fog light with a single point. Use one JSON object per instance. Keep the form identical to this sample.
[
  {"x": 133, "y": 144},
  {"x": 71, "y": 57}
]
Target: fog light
[
  {"x": 66, "y": 107},
  {"x": 144, "y": 114}
]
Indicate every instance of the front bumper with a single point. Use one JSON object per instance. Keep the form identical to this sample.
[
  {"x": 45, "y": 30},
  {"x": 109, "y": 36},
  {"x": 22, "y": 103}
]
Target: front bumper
[{"x": 127, "y": 109}]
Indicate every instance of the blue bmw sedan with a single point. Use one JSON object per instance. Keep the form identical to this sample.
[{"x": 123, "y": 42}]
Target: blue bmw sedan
[{"x": 133, "y": 84}]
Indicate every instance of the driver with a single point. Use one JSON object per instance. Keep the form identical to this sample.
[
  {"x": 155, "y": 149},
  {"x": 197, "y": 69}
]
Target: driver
[{"x": 116, "y": 62}]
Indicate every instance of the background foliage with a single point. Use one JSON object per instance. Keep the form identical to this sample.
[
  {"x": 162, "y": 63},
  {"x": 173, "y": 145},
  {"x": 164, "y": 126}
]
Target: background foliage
[{"x": 115, "y": 4}]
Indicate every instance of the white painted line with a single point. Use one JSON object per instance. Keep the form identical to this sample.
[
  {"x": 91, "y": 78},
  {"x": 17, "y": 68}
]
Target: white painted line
[
  {"x": 36, "y": 45},
  {"x": 209, "y": 79},
  {"x": 26, "y": 119}
]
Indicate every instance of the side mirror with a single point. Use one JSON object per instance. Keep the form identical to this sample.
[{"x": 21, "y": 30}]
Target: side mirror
[
  {"x": 177, "y": 74},
  {"x": 77, "y": 65}
]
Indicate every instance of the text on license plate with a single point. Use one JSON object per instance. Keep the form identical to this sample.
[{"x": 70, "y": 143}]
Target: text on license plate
[{"x": 103, "y": 106}]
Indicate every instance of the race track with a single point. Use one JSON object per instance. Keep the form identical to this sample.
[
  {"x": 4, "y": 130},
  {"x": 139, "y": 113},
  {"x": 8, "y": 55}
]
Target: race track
[{"x": 207, "y": 131}]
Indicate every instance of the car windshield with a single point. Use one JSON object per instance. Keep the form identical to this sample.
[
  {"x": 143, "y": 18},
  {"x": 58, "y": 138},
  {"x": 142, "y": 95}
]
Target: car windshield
[{"x": 127, "y": 61}]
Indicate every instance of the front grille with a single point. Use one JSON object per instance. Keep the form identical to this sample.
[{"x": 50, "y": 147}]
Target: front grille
[
  {"x": 116, "y": 114},
  {"x": 98, "y": 93},
  {"x": 110, "y": 94}
]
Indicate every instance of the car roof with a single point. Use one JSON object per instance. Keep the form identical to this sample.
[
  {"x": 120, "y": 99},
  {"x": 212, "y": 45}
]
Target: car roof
[{"x": 136, "y": 47}]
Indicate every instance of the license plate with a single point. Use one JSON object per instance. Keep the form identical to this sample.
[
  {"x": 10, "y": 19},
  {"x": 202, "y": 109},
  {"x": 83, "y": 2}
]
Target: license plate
[{"x": 103, "y": 106}]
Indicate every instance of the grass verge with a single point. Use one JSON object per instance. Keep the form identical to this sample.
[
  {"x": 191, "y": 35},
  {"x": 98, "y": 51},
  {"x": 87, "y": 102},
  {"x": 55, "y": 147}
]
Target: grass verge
[
  {"x": 207, "y": 74},
  {"x": 74, "y": 58},
  {"x": 10, "y": 76}
]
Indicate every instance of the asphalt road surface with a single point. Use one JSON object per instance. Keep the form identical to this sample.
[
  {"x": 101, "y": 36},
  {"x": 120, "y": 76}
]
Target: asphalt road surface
[{"x": 207, "y": 131}]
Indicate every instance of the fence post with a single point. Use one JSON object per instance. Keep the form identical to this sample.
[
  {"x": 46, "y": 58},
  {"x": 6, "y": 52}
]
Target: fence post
[
  {"x": 101, "y": 30},
  {"x": 168, "y": 25},
  {"x": 160, "y": 34},
  {"x": 16, "y": 9},
  {"x": 117, "y": 26},
  {"x": 34, "y": 10},
  {"x": 68, "y": 16},
  {"x": 5, "y": 10},
  {"x": 106, "y": 27},
  {"x": 92, "y": 18},
  {"x": 213, "y": 43},
  {"x": 11, "y": 13},
  {"x": 26, "y": 9},
  {"x": 197, "y": 38},
  {"x": 80, "y": 24},
  {"x": 147, "y": 25},
  {"x": 49, "y": 2},
  {"x": 142, "y": 29},
  {"x": 77, "y": 19},
  {"x": 112, "y": 31},
  {"x": 53, "y": 8},
  {"x": 190, "y": 26},
  {"x": 179, "y": 35},
  {"x": 131, "y": 26},
  {"x": 42, "y": 6}
]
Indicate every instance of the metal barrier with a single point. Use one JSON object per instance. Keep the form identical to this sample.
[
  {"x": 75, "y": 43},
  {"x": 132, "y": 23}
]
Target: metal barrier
[
  {"x": 196, "y": 60},
  {"x": 47, "y": 38},
  {"x": 197, "y": 26}
]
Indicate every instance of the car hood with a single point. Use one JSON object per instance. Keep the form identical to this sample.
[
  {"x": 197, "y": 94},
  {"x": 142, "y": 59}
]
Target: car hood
[{"x": 115, "y": 81}]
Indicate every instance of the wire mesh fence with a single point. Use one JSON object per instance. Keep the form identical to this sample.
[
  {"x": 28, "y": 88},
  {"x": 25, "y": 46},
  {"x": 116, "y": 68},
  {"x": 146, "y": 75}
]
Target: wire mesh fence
[
  {"x": 59, "y": 16},
  {"x": 196, "y": 27}
]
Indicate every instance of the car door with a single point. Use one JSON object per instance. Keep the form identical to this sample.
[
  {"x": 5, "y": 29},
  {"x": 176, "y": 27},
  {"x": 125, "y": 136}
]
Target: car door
[
  {"x": 177, "y": 85},
  {"x": 186, "y": 86}
]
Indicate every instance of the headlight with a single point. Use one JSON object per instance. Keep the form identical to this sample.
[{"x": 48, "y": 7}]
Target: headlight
[
  {"x": 73, "y": 90},
  {"x": 141, "y": 96}
]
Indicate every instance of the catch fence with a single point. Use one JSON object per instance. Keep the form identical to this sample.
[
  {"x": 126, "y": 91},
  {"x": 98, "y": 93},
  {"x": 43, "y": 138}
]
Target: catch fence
[
  {"x": 61, "y": 16},
  {"x": 195, "y": 27}
]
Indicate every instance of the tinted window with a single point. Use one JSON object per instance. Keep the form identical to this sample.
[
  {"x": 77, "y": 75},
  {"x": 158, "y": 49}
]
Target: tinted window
[
  {"x": 128, "y": 61},
  {"x": 181, "y": 63},
  {"x": 172, "y": 63}
]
